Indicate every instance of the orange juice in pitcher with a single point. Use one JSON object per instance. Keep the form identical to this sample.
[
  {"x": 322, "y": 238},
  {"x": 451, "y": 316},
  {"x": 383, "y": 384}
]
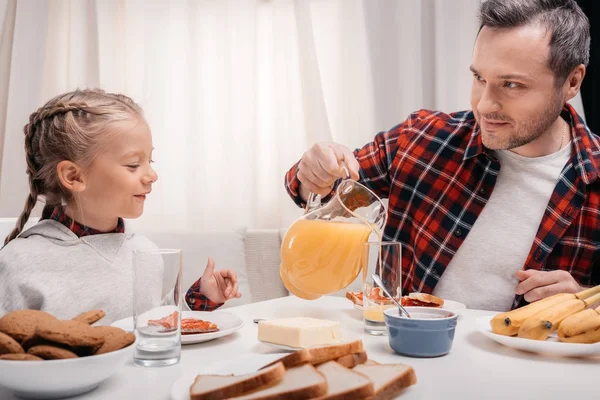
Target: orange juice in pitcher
[
  {"x": 321, "y": 252},
  {"x": 324, "y": 256}
]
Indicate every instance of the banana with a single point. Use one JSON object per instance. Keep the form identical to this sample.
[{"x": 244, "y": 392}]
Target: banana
[
  {"x": 508, "y": 323},
  {"x": 583, "y": 327},
  {"x": 570, "y": 325},
  {"x": 540, "y": 325},
  {"x": 584, "y": 294}
]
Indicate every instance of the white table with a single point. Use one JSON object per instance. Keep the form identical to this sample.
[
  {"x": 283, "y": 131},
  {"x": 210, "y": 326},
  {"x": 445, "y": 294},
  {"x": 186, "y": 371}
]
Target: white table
[{"x": 476, "y": 368}]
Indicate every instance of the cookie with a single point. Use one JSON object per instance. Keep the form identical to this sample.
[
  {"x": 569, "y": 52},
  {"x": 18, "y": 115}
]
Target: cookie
[
  {"x": 20, "y": 357},
  {"x": 9, "y": 345},
  {"x": 71, "y": 333},
  {"x": 114, "y": 339},
  {"x": 33, "y": 340},
  {"x": 90, "y": 317},
  {"x": 51, "y": 352},
  {"x": 22, "y": 323},
  {"x": 85, "y": 351}
]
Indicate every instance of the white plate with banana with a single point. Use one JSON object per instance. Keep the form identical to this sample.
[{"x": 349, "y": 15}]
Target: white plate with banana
[
  {"x": 549, "y": 346},
  {"x": 563, "y": 325}
]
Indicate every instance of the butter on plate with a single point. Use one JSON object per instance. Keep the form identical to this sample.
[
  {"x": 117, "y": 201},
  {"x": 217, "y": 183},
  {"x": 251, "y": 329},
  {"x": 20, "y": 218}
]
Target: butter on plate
[{"x": 299, "y": 331}]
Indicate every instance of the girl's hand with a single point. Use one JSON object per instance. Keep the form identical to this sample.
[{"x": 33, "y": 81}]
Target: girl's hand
[{"x": 219, "y": 286}]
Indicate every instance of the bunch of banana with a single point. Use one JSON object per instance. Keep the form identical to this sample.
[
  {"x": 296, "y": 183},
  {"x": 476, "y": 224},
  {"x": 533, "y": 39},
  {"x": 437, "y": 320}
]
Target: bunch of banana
[
  {"x": 539, "y": 326},
  {"x": 508, "y": 323},
  {"x": 583, "y": 327}
]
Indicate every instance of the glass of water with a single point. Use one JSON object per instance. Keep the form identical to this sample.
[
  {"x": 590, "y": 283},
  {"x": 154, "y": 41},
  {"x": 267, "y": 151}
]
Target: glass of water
[
  {"x": 385, "y": 260},
  {"x": 157, "y": 307}
]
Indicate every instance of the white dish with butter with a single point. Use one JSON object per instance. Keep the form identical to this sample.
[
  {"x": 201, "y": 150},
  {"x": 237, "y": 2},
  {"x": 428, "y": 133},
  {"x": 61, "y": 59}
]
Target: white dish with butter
[
  {"x": 299, "y": 332},
  {"x": 281, "y": 346}
]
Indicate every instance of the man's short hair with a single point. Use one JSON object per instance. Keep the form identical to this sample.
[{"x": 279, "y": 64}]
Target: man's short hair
[{"x": 564, "y": 19}]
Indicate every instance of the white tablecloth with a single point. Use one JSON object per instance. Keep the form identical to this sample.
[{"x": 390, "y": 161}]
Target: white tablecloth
[{"x": 476, "y": 368}]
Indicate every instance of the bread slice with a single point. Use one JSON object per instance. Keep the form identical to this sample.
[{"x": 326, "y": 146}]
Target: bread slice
[
  {"x": 298, "y": 357},
  {"x": 422, "y": 300},
  {"x": 371, "y": 362},
  {"x": 207, "y": 387},
  {"x": 321, "y": 354},
  {"x": 355, "y": 297},
  {"x": 388, "y": 379},
  {"x": 298, "y": 383},
  {"x": 343, "y": 383},
  {"x": 352, "y": 360}
]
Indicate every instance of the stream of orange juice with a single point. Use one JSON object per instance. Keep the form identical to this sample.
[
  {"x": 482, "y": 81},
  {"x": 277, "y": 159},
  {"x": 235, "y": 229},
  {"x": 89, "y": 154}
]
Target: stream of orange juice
[{"x": 321, "y": 257}]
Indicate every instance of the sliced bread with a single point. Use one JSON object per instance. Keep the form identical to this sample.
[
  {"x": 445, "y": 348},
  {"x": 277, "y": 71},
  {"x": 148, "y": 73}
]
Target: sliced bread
[
  {"x": 343, "y": 383},
  {"x": 207, "y": 387},
  {"x": 321, "y": 354},
  {"x": 352, "y": 360},
  {"x": 422, "y": 300},
  {"x": 299, "y": 383},
  {"x": 298, "y": 357},
  {"x": 371, "y": 362},
  {"x": 388, "y": 379}
]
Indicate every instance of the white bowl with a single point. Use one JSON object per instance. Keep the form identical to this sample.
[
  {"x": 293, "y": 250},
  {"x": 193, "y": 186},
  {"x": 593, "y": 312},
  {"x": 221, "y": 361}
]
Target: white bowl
[{"x": 51, "y": 379}]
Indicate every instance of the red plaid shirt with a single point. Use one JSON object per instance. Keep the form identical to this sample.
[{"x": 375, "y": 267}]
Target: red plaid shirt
[
  {"x": 438, "y": 176},
  {"x": 199, "y": 302},
  {"x": 78, "y": 229},
  {"x": 195, "y": 300}
]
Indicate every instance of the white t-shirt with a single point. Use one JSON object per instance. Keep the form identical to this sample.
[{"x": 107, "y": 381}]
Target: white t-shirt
[{"x": 482, "y": 272}]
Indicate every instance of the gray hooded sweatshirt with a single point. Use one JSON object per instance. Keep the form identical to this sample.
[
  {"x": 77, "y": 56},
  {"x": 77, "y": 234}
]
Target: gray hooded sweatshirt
[{"x": 49, "y": 268}]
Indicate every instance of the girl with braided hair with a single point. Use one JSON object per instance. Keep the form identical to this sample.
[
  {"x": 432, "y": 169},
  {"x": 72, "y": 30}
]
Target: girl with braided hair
[{"x": 89, "y": 156}]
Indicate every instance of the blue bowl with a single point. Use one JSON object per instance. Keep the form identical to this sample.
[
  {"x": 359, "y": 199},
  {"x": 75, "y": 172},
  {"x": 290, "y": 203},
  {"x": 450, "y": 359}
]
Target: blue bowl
[{"x": 429, "y": 333}]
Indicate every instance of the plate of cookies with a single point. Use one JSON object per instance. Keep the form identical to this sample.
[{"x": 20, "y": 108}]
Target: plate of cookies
[
  {"x": 66, "y": 357},
  {"x": 196, "y": 326}
]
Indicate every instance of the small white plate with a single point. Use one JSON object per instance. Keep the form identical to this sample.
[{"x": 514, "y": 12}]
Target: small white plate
[
  {"x": 449, "y": 305},
  {"x": 455, "y": 306},
  {"x": 227, "y": 323},
  {"x": 243, "y": 365},
  {"x": 550, "y": 346}
]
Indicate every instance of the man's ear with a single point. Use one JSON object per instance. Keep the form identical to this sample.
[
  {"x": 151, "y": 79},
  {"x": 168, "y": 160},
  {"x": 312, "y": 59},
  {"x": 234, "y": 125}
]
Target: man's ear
[
  {"x": 573, "y": 82},
  {"x": 70, "y": 176}
]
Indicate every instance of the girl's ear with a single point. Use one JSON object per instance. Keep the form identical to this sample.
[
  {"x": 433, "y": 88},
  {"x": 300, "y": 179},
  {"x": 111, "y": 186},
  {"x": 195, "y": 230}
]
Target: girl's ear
[{"x": 70, "y": 176}]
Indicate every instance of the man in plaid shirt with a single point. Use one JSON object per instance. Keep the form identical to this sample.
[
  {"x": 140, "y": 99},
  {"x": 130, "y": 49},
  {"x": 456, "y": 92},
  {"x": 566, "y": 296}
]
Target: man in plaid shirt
[{"x": 497, "y": 206}]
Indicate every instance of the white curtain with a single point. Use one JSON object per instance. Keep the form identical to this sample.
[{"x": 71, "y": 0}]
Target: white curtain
[{"x": 234, "y": 90}]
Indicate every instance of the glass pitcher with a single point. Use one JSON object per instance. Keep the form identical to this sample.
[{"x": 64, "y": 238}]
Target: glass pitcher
[{"x": 321, "y": 251}]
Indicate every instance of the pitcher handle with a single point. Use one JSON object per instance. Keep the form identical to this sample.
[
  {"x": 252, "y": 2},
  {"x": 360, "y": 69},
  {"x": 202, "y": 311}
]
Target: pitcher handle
[{"x": 314, "y": 200}]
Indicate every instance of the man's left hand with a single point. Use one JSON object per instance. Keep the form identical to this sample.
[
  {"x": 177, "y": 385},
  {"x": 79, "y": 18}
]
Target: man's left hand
[{"x": 536, "y": 285}]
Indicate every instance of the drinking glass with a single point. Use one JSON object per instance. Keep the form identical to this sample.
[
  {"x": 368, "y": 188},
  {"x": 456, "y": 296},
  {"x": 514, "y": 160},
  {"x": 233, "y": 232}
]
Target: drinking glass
[
  {"x": 157, "y": 306},
  {"x": 383, "y": 259}
]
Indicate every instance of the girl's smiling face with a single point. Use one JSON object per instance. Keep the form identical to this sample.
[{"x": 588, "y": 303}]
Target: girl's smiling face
[{"x": 119, "y": 177}]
